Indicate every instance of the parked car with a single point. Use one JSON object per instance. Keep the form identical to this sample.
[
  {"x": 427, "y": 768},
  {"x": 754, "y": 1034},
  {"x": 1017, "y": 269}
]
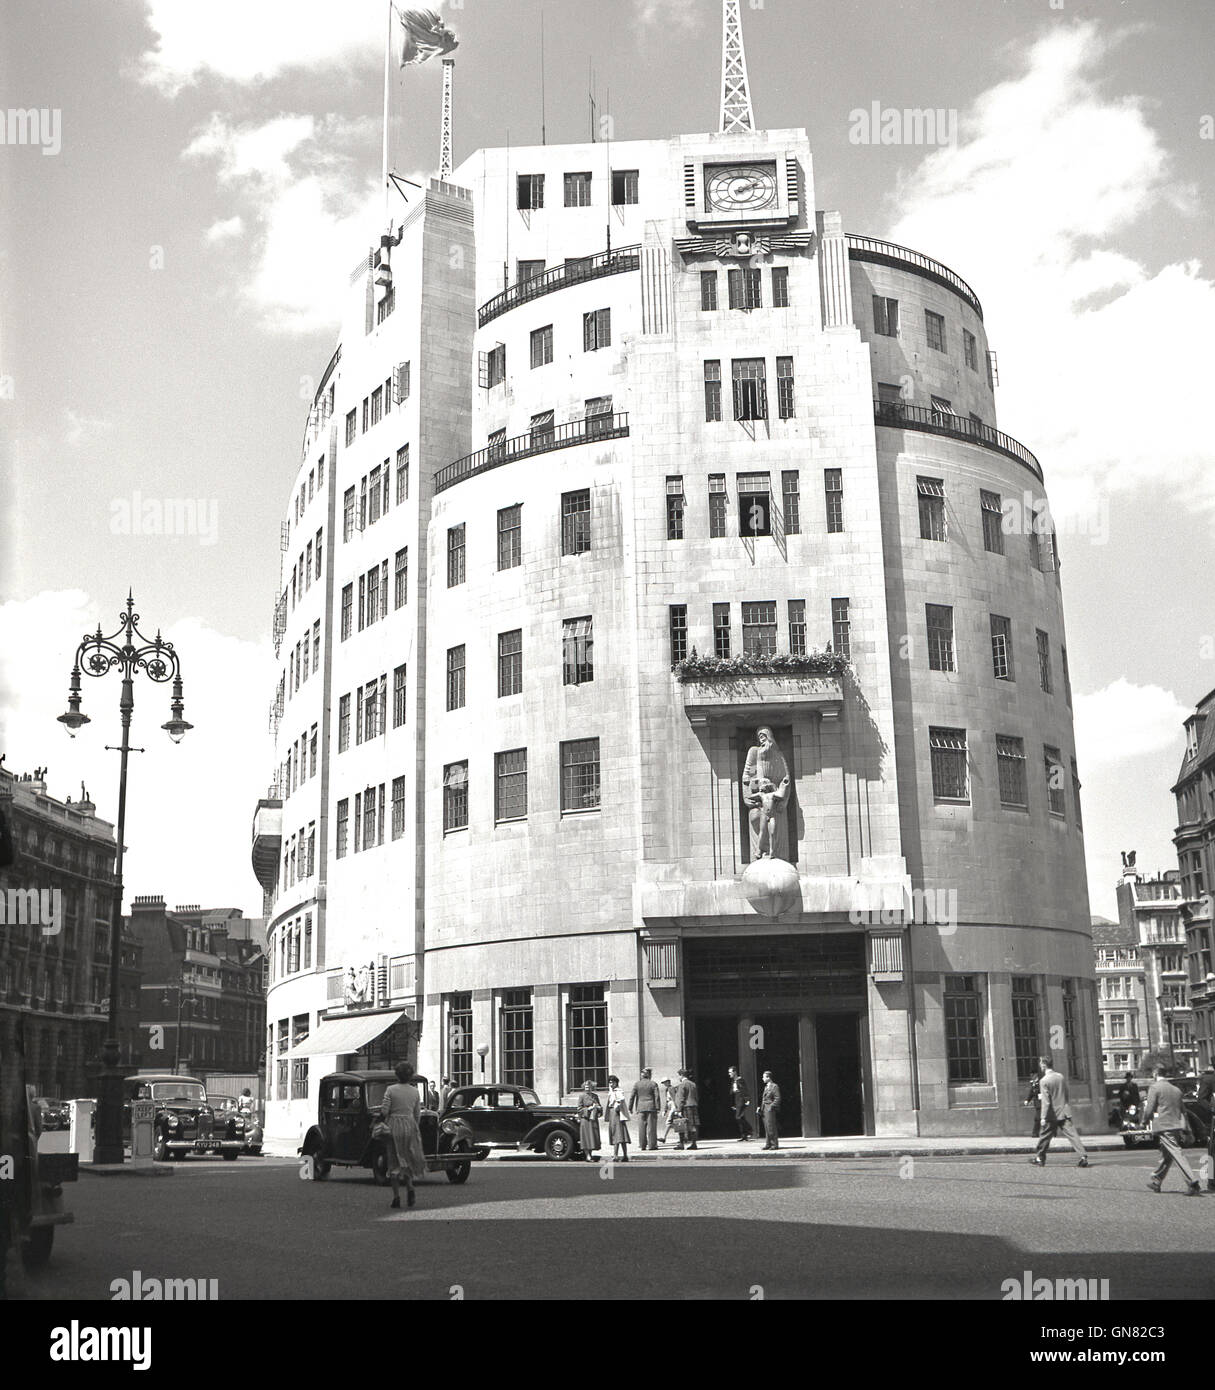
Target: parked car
[
  {"x": 54, "y": 1113},
  {"x": 511, "y": 1117},
  {"x": 1197, "y": 1115},
  {"x": 184, "y": 1123},
  {"x": 348, "y": 1108},
  {"x": 40, "y": 1207}
]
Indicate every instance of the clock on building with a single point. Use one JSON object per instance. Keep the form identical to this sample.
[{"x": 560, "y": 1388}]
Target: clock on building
[{"x": 740, "y": 187}]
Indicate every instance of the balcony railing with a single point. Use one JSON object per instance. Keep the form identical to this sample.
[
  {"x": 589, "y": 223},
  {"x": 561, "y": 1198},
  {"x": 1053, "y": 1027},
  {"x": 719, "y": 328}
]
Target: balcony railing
[
  {"x": 868, "y": 248},
  {"x": 928, "y": 420},
  {"x": 572, "y": 273},
  {"x": 540, "y": 441}
]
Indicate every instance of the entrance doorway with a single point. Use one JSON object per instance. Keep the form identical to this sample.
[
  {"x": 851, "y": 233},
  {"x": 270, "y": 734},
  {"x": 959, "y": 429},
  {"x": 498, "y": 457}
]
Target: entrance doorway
[
  {"x": 780, "y": 1054},
  {"x": 715, "y": 1047},
  {"x": 841, "y": 1102}
]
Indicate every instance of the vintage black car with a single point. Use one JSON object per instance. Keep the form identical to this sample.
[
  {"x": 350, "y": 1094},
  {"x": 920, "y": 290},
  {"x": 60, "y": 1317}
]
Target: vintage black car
[
  {"x": 54, "y": 1113},
  {"x": 349, "y": 1106},
  {"x": 184, "y": 1123},
  {"x": 511, "y": 1117},
  {"x": 250, "y": 1126}
]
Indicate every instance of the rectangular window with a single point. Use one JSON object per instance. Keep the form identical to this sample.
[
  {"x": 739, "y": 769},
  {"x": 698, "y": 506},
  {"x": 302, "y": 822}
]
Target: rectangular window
[
  {"x": 931, "y": 495},
  {"x": 675, "y": 506},
  {"x": 402, "y": 474},
  {"x": 455, "y": 677},
  {"x": 374, "y": 496},
  {"x": 1010, "y": 767},
  {"x": 542, "y": 345},
  {"x": 530, "y": 191},
  {"x": 398, "y": 696},
  {"x": 713, "y": 390},
  {"x": 784, "y": 388},
  {"x": 939, "y": 619},
  {"x": 540, "y": 429},
  {"x": 780, "y": 286},
  {"x": 319, "y": 551},
  {"x": 510, "y": 662},
  {"x": 373, "y": 594},
  {"x": 578, "y": 190},
  {"x": 791, "y": 489},
  {"x": 386, "y": 305},
  {"x": 797, "y": 627},
  {"x": 398, "y": 807},
  {"x": 942, "y": 410},
  {"x": 1044, "y": 660},
  {"x": 746, "y": 288},
  {"x": 580, "y": 775},
  {"x": 750, "y": 388},
  {"x": 308, "y": 567},
  {"x": 759, "y": 628},
  {"x": 950, "y": 775},
  {"x": 596, "y": 330},
  {"x": 577, "y": 651},
  {"x": 708, "y": 290},
  {"x": 518, "y": 1038},
  {"x": 833, "y": 494},
  {"x": 510, "y": 785},
  {"x": 1056, "y": 776},
  {"x": 624, "y": 189},
  {"x": 588, "y": 1036},
  {"x": 492, "y": 367},
  {"x": 992, "y": 507},
  {"x": 343, "y": 827},
  {"x": 841, "y": 628},
  {"x": 377, "y": 405},
  {"x": 312, "y": 750},
  {"x": 400, "y": 575},
  {"x": 348, "y": 503},
  {"x": 575, "y": 522},
  {"x": 510, "y": 533},
  {"x": 677, "y": 619},
  {"x": 885, "y": 316},
  {"x": 1026, "y": 1043},
  {"x": 598, "y": 411},
  {"x": 754, "y": 504},
  {"x": 717, "y": 504},
  {"x": 1001, "y": 648},
  {"x": 970, "y": 350},
  {"x": 934, "y": 327},
  {"x": 721, "y": 631},
  {"x": 528, "y": 270},
  {"x": 459, "y": 1038},
  {"x": 366, "y": 412},
  {"x": 1071, "y": 1030},
  {"x": 963, "y": 1010},
  {"x": 455, "y": 797},
  {"x": 351, "y": 428},
  {"x": 455, "y": 555},
  {"x": 343, "y": 723}
]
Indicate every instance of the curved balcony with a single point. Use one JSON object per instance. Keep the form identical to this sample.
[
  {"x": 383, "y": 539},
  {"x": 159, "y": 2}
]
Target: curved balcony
[
  {"x": 868, "y": 248},
  {"x": 540, "y": 441},
  {"x": 897, "y": 416},
  {"x": 571, "y": 273}
]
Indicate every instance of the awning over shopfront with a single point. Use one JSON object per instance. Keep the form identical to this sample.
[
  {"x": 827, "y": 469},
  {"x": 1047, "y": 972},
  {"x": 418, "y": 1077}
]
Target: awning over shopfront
[{"x": 337, "y": 1036}]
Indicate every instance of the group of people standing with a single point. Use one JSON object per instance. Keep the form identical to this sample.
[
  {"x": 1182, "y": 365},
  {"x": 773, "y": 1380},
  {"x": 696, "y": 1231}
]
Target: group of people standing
[{"x": 677, "y": 1103}]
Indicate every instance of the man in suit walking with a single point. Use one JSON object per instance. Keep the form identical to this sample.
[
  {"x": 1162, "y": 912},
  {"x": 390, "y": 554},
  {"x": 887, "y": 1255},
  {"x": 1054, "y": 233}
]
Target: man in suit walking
[
  {"x": 687, "y": 1099},
  {"x": 1056, "y": 1114},
  {"x": 645, "y": 1103},
  {"x": 769, "y": 1104},
  {"x": 740, "y": 1098},
  {"x": 1163, "y": 1112}
]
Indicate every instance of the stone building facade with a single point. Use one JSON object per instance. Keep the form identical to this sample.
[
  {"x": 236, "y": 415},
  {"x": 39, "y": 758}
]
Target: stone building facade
[
  {"x": 1195, "y": 841},
  {"x": 1152, "y": 911},
  {"x": 1122, "y": 999}
]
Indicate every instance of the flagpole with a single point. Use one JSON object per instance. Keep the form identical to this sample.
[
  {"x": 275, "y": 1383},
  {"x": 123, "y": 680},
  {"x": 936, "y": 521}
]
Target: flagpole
[{"x": 387, "y": 73}]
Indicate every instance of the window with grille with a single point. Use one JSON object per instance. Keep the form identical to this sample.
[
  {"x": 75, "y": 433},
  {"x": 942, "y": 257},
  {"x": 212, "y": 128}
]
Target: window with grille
[
  {"x": 759, "y": 628},
  {"x": 784, "y": 388},
  {"x": 942, "y": 410},
  {"x": 459, "y": 1038},
  {"x": 578, "y": 190},
  {"x": 455, "y": 555},
  {"x": 510, "y": 662},
  {"x": 455, "y": 677},
  {"x": 713, "y": 390},
  {"x": 373, "y": 594},
  {"x": 624, "y": 187},
  {"x": 970, "y": 350},
  {"x": 721, "y": 631},
  {"x": 348, "y": 503},
  {"x": 577, "y": 651},
  {"x": 596, "y": 330},
  {"x": 675, "y": 506},
  {"x": 791, "y": 491},
  {"x": 1043, "y": 660},
  {"x": 312, "y": 747},
  {"x": 885, "y": 316},
  {"x": 964, "y": 1047},
  {"x": 1001, "y": 648},
  {"x": 343, "y": 723},
  {"x": 576, "y": 522},
  {"x": 1076, "y": 799},
  {"x": 398, "y": 696},
  {"x": 750, "y": 388},
  {"x": 455, "y": 796},
  {"x": 746, "y": 288},
  {"x": 518, "y": 1038},
  {"x": 677, "y": 620},
  {"x": 950, "y": 779},
  {"x": 797, "y": 626},
  {"x": 542, "y": 345},
  {"x": 343, "y": 826},
  {"x": 833, "y": 494},
  {"x": 992, "y": 507},
  {"x": 1010, "y": 768},
  {"x": 708, "y": 289},
  {"x": 931, "y": 495},
  {"x": 400, "y": 575},
  {"x": 402, "y": 474},
  {"x": 1026, "y": 1042},
  {"x": 780, "y": 286},
  {"x": 529, "y": 191},
  {"x": 841, "y": 628},
  {"x": 510, "y": 785},
  {"x": 398, "y": 807},
  {"x": 351, "y": 428},
  {"x": 319, "y": 551},
  {"x": 580, "y": 775},
  {"x": 1056, "y": 796},
  {"x": 377, "y": 405},
  {"x": 940, "y": 637},
  {"x": 510, "y": 547},
  {"x": 718, "y": 504},
  {"x": 934, "y": 327},
  {"x": 587, "y": 1026}
]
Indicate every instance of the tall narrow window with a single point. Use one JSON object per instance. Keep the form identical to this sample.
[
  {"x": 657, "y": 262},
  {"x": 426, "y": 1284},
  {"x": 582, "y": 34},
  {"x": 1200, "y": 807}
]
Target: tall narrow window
[
  {"x": 510, "y": 785},
  {"x": 721, "y": 631},
  {"x": 348, "y": 504},
  {"x": 373, "y": 594},
  {"x": 510, "y": 545},
  {"x": 791, "y": 489},
  {"x": 510, "y": 662},
  {"x": 759, "y": 628},
  {"x": 1044, "y": 661},
  {"x": 931, "y": 494},
  {"x": 402, "y": 473},
  {"x": 885, "y": 316},
  {"x": 455, "y": 677},
  {"x": 797, "y": 627},
  {"x": 518, "y": 1038},
  {"x": 455, "y": 797},
  {"x": 678, "y": 622},
  {"x": 970, "y": 350},
  {"x": 577, "y": 651},
  {"x": 780, "y": 286},
  {"x": 1026, "y": 1043},
  {"x": 377, "y": 405},
  {"x": 746, "y": 288},
  {"x": 343, "y": 723},
  {"x": 939, "y": 619},
  {"x": 1073, "y": 1048},
  {"x": 1001, "y": 648},
  {"x": 587, "y": 1036},
  {"x": 964, "y": 1047},
  {"x": 1010, "y": 768},
  {"x": 351, "y": 428},
  {"x": 717, "y": 504},
  {"x": 992, "y": 507},
  {"x": 1056, "y": 780},
  {"x": 455, "y": 555},
  {"x": 750, "y": 388},
  {"x": 542, "y": 345},
  {"x": 580, "y": 775},
  {"x": 934, "y": 327},
  {"x": 708, "y": 289},
  {"x": 492, "y": 367},
  {"x": 713, "y": 390},
  {"x": 398, "y": 807},
  {"x": 575, "y": 522},
  {"x": 841, "y": 628},
  {"x": 596, "y": 330},
  {"x": 398, "y": 696},
  {"x": 784, "y": 388},
  {"x": 950, "y": 774},
  {"x": 459, "y": 1029},
  {"x": 833, "y": 496},
  {"x": 343, "y": 828},
  {"x": 319, "y": 551},
  {"x": 401, "y": 578},
  {"x": 675, "y": 505}
]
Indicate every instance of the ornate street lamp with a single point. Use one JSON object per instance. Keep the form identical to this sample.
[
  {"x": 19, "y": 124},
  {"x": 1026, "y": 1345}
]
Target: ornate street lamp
[
  {"x": 1167, "y": 1011},
  {"x": 128, "y": 651}
]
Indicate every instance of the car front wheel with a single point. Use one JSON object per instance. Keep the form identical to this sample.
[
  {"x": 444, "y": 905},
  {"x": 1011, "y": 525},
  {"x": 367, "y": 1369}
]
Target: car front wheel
[
  {"x": 558, "y": 1145},
  {"x": 160, "y": 1149},
  {"x": 458, "y": 1172},
  {"x": 379, "y": 1167}
]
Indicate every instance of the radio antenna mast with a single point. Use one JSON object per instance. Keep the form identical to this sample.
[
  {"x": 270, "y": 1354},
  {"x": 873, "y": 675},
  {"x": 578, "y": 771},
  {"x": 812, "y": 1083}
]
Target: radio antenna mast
[{"x": 736, "y": 113}]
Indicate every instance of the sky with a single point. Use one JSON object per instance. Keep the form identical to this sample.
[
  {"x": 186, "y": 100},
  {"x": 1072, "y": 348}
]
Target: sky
[{"x": 177, "y": 231}]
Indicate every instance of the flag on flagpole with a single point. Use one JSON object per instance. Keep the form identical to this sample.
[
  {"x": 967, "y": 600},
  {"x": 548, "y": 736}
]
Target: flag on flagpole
[{"x": 423, "y": 35}]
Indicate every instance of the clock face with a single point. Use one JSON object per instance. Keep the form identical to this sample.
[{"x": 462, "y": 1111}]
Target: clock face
[{"x": 741, "y": 187}]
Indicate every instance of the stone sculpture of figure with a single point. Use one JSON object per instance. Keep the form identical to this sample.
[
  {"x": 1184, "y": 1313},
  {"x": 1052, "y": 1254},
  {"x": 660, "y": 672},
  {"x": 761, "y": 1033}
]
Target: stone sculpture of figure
[
  {"x": 364, "y": 986},
  {"x": 766, "y": 768},
  {"x": 351, "y": 988}
]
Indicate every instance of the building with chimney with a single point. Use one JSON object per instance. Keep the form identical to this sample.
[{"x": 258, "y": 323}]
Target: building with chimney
[
  {"x": 1151, "y": 914},
  {"x": 1195, "y": 841}
]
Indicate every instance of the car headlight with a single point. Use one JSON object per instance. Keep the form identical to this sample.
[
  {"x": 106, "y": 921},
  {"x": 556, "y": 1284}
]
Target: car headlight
[
  {"x": 451, "y": 1127},
  {"x": 172, "y": 1122}
]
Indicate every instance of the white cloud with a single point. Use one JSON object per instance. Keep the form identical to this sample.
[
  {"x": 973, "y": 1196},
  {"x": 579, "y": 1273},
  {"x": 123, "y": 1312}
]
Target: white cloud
[
  {"x": 685, "y": 14},
  {"x": 1103, "y": 360},
  {"x": 226, "y": 230},
  {"x": 1125, "y": 721},
  {"x": 189, "y": 807},
  {"x": 83, "y": 429}
]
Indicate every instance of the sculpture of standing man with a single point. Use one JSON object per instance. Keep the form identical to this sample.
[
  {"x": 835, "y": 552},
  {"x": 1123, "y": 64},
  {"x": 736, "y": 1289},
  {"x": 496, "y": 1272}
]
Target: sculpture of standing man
[{"x": 766, "y": 788}]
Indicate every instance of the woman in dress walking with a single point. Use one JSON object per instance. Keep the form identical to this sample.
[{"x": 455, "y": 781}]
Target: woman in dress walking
[
  {"x": 618, "y": 1118},
  {"x": 400, "y": 1108},
  {"x": 669, "y": 1109},
  {"x": 589, "y": 1111}
]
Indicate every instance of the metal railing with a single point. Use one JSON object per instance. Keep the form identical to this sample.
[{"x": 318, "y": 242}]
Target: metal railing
[
  {"x": 868, "y": 248},
  {"x": 540, "y": 441},
  {"x": 898, "y": 416},
  {"x": 572, "y": 273}
]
